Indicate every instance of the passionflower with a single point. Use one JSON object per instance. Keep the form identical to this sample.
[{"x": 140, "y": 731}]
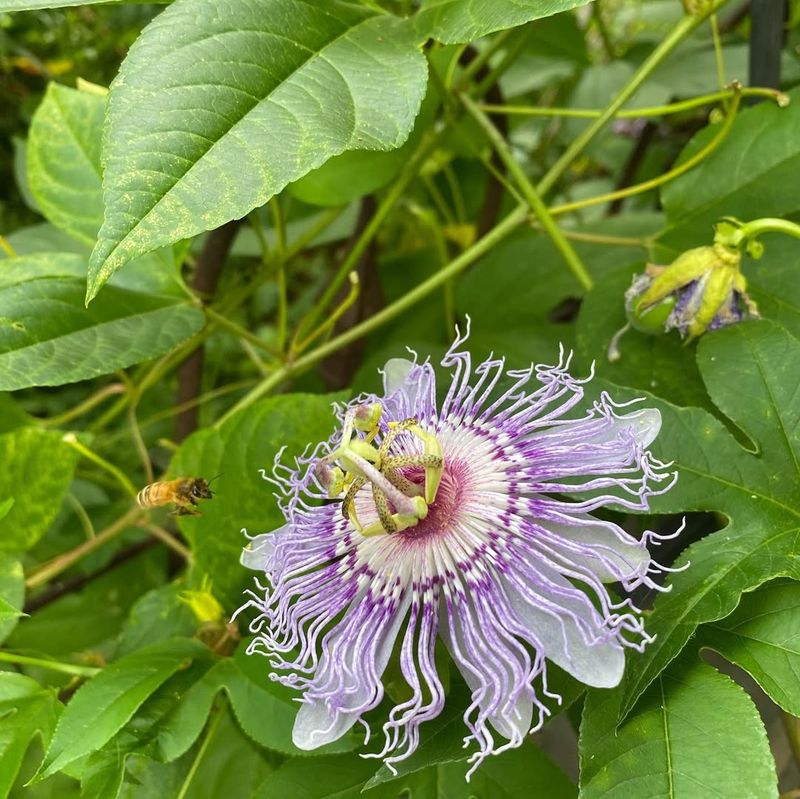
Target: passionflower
[{"x": 467, "y": 520}]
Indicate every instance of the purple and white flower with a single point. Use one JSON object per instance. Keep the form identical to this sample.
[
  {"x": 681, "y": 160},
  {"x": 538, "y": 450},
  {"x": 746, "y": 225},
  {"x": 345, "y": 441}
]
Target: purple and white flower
[{"x": 468, "y": 520}]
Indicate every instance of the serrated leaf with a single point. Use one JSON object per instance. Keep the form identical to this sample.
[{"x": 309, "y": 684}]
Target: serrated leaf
[
  {"x": 237, "y": 451},
  {"x": 762, "y": 636},
  {"x": 218, "y": 106},
  {"x": 685, "y": 741},
  {"x": 151, "y": 733},
  {"x": 37, "y": 470},
  {"x": 104, "y": 704},
  {"x": 749, "y": 371},
  {"x": 64, "y": 160},
  {"x": 49, "y": 338},
  {"x": 26, "y": 710},
  {"x": 753, "y": 174},
  {"x": 458, "y": 21},
  {"x": 231, "y": 764}
]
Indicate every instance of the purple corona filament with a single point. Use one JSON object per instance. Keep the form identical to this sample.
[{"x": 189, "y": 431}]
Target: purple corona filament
[{"x": 506, "y": 565}]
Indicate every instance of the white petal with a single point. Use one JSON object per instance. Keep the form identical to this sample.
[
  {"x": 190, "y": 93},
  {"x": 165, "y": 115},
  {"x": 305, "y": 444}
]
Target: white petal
[
  {"x": 316, "y": 724},
  {"x": 599, "y": 665},
  {"x": 259, "y": 551},
  {"x": 619, "y": 555},
  {"x": 395, "y": 373},
  {"x": 645, "y": 423}
]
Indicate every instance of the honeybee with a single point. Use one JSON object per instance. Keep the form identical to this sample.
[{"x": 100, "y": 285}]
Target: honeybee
[{"x": 183, "y": 492}]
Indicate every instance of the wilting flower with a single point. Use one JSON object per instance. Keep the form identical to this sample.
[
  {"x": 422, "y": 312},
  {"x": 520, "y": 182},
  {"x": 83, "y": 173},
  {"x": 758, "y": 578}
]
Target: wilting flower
[
  {"x": 703, "y": 289},
  {"x": 467, "y": 520}
]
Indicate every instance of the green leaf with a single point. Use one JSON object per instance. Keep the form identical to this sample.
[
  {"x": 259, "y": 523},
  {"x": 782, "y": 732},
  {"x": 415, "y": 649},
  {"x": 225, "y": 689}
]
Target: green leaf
[
  {"x": 762, "y": 636},
  {"x": 5, "y": 507},
  {"x": 685, "y": 741},
  {"x": 48, "y": 337},
  {"x": 457, "y": 21},
  {"x": 231, "y": 765},
  {"x": 106, "y": 702},
  {"x": 152, "y": 733},
  {"x": 265, "y": 718},
  {"x": 12, "y": 587},
  {"x": 351, "y": 175},
  {"x": 64, "y": 160},
  {"x": 156, "y": 616},
  {"x": 237, "y": 451},
  {"x": 290, "y": 83},
  {"x": 753, "y": 174},
  {"x": 749, "y": 371},
  {"x": 26, "y": 710},
  {"x": 37, "y": 470}
]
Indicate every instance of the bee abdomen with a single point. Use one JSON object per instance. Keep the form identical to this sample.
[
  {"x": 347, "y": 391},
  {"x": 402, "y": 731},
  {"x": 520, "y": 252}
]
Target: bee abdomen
[{"x": 150, "y": 496}]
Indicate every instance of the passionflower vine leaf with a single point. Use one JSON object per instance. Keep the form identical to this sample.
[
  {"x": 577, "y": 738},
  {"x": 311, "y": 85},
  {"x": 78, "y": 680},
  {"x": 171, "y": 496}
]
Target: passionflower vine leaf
[
  {"x": 750, "y": 371},
  {"x": 686, "y": 740},
  {"x": 762, "y": 636},
  {"x": 220, "y": 104}
]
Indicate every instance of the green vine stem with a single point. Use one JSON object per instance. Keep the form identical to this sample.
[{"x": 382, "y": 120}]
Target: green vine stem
[
  {"x": 57, "y": 565},
  {"x": 751, "y": 230},
  {"x": 647, "y": 185},
  {"x": 211, "y": 728},
  {"x": 72, "y": 440},
  {"x": 52, "y": 665},
  {"x": 686, "y": 25},
  {"x": 408, "y": 173},
  {"x": 635, "y": 113},
  {"x": 92, "y": 401},
  {"x": 529, "y": 193}
]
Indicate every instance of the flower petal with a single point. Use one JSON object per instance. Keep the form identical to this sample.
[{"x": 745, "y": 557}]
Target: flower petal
[
  {"x": 395, "y": 374},
  {"x": 259, "y": 552},
  {"x": 602, "y": 547},
  {"x": 347, "y": 681},
  {"x": 644, "y": 423},
  {"x": 599, "y": 664}
]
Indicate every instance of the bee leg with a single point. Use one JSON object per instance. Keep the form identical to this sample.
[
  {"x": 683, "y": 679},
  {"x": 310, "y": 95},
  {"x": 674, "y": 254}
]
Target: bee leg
[{"x": 184, "y": 510}]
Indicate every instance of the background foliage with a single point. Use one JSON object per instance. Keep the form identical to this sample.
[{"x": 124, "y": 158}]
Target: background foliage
[{"x": 263, "y": 200}]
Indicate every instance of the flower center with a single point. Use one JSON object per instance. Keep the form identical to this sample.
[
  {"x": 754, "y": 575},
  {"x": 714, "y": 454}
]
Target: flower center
[{"x": 400, "y": 502}]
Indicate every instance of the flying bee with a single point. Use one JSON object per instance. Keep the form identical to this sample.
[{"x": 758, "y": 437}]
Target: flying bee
[{"x": 183, "y": 492}]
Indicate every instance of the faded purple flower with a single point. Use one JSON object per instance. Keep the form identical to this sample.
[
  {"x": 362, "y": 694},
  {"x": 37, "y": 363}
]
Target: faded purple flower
[{"x": 477, "y": 515}]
